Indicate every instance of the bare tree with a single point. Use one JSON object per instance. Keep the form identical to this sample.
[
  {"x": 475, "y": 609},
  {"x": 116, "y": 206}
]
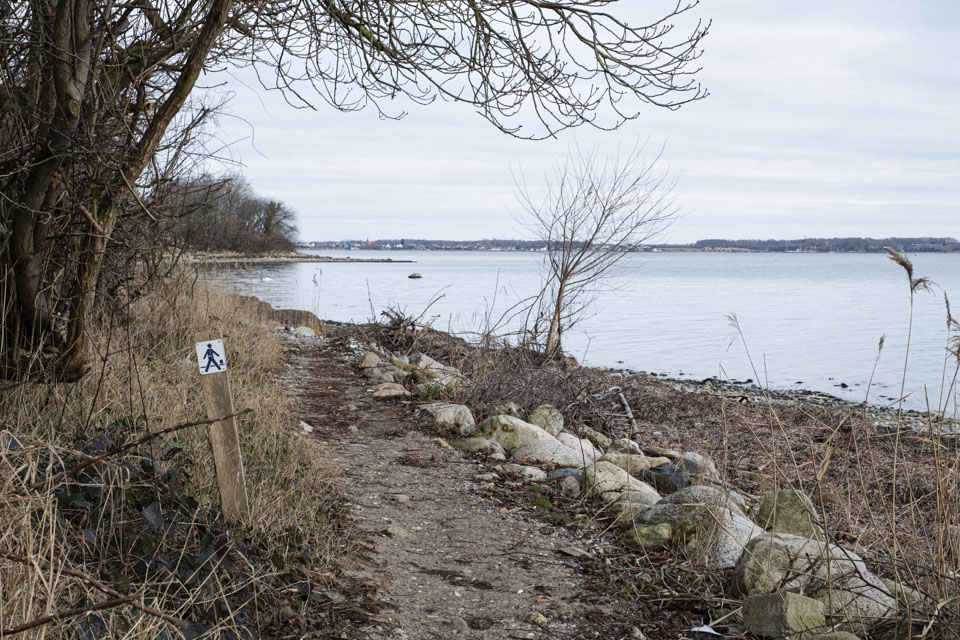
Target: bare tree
[
  {"x": 96, "y": 110},
  {"x": 591, "y": 213}
]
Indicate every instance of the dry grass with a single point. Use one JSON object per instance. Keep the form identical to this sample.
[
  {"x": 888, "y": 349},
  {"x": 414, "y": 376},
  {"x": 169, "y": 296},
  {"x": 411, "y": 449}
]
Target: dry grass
[{"x": 147, "y": 524}]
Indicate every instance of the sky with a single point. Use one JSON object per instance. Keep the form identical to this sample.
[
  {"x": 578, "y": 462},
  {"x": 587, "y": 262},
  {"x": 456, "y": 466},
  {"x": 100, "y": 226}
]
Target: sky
[{"x": 824, "y": 119}]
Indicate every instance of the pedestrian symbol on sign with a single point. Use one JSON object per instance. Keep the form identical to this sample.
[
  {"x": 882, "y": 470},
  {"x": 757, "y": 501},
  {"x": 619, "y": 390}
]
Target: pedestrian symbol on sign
[{"x": 211, "y": 356}]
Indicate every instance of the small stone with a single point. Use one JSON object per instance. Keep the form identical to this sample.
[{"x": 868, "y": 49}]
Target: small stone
[
  {"x": 442, "y": 443},
  {"x": 488, "y": 477},
  {"x": 538, "y": 619},
  {"x": 530, "y": 473},
  {"x": 836, "y": 635},
  {"x": 783, "y": 615},
  {"x": 396, "y": 531},
  {"x": 649, "y": 538},
  {"x": 459, "y": 624},
  {"x": 353, "y": 429},
  {"x": 570, "y": 487},
  {"x": 304, "y": 332},
  {"x": 499, "y": 457},
  {"x": 401, "y": 498},
  {"x": 306, "y": 427}
]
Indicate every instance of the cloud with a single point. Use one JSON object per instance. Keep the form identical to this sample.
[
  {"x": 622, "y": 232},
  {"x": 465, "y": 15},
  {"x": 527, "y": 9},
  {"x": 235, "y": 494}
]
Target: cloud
[{"x": 823, "y": 119}]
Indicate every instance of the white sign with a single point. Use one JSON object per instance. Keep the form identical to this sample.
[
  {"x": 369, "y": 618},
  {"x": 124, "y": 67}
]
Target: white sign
[{"x": 211, "y": 356}]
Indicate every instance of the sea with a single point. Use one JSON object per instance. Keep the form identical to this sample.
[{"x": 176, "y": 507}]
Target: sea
[{"x": 783, "y": 320}]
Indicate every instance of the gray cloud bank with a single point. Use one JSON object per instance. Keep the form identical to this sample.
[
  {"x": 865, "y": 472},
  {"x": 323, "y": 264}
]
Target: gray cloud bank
[{"x": 823, "y": 120}]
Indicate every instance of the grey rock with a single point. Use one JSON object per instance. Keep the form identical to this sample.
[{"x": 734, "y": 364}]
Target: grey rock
[
  {"x": 488, "y": 477},
  {"x": 598, "y": 439},
  {"x": 306, "y": 427},
  {"x": 396, "y": 531},
  {"x": 582, "y": 446},
  {"x": 548, "y": 418},
  {"x": 566, "y": 472},
  {"x": 304, "y": 332},
  {"x": 530, "y": 473},
  {"x": 512, "y": 432},
  {"x": 624, "y": 445},
  {"x": 448, "y": 414},
  {"x": 547, "y": 452},
  {"x": 829, "y": 573},
  {"x": 713, "y": 526},
  {"x": 609, "y": 481},
  {"x": 790, "y": 511},
  {"x": 389, "y": 390},
  {"x": 499, "y": 457},
  {"x": 835, "y": 635},
  {"x": 654, "y": 537},
  {"x": 667, "y": 478},
  {"x": 783, "y": 615},
  {"x": 632, "y": 463},
  {"x": 570, "y": 487},
  {"x": 370, "y": 360},
  {"x": 701, "y": 468}
]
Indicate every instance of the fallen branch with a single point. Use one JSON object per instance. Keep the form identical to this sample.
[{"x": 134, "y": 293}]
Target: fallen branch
[
  {"x": 59, "y": 615},
  {"x": 96, "y": 584},
  {"x": 63, "y": 475}
]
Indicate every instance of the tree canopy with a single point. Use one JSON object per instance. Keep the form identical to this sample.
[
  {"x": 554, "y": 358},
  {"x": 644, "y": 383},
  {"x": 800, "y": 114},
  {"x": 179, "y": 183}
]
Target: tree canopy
[{"x": 97, "y": 111}]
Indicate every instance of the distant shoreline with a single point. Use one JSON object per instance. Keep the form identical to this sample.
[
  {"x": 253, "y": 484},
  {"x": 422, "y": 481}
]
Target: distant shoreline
[{"x": 285, "y": 258}]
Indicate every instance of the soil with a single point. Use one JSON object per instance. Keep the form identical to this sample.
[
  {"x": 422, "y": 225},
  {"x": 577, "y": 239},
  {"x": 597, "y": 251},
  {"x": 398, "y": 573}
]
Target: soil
[{"x": 447, "y": 557}]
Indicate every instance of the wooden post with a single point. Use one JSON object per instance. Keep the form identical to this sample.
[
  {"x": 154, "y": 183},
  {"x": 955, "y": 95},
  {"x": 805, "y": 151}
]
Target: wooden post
[{"x": 225, "y": 441}]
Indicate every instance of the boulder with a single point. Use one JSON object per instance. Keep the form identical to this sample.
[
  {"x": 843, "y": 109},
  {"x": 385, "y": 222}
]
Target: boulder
[
  {"x": 478, "y": 445},
  {"x": 783, "y": 615},
  {"x": 548, "y": 418},
  {"x": 512, "y": 432},
  {"x": 790, "y": 511},
  {"x": 852, "y": 596},
  {"x": 529, "y": 473},
  {"x": 547, "y": 452},
  {"x": 624, "y": 445},
  {"x": 632, "y": 463},
  {"x": 666, "y": 477},
  {"x": 304, "y": 332},
  {"x": 655, "y": 537},
  {"x": 370, "y": 360},
  {"x": 447, "y": 414},
  {"x": 598, "y": 439},
  {"x": 609, "y": 481},
  {"x": 582, "y": 446},
  {"x": 701, "y": 468},
  {"x": 389, "y": 390},
  {"x": 707, "y": 521}
]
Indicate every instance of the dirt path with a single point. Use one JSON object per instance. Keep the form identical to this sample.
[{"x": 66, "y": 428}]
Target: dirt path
[{"x": 447, "y": 561}]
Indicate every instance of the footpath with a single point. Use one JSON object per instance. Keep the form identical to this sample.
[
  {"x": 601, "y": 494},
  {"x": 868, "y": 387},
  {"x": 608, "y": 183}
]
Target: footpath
[{"x": 446, "y": 560}]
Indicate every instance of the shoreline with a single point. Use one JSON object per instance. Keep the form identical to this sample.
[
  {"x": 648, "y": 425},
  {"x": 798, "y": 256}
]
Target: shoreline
[
  {"x": 286, "y": 258},
  {"x": 883, "y": 417}
]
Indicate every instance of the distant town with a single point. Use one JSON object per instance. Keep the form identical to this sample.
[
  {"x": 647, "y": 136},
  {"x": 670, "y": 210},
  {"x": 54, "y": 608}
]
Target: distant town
[{"x": 805, "y": 245}]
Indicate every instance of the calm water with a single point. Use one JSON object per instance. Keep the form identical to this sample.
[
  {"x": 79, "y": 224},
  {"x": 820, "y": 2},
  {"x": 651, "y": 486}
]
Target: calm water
[{"x": 809, "y": 320}]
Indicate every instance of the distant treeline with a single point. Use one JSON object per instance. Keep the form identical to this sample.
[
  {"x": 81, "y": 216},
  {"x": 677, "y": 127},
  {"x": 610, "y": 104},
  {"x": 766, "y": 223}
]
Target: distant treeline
[
  {"x": 858, "y": 245},
  {"x": 227, "y": 215}
]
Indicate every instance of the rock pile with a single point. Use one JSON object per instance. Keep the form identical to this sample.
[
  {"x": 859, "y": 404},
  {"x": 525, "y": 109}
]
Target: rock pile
[{"x": 793, "y": 582}]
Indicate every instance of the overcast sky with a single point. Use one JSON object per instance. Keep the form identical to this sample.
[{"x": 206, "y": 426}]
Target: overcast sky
[{"x": 824, "y": 119}]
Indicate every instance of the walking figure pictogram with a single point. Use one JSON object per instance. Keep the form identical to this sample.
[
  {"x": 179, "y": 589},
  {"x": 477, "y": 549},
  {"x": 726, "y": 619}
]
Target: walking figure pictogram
[{"x": 211, "y": 357}]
